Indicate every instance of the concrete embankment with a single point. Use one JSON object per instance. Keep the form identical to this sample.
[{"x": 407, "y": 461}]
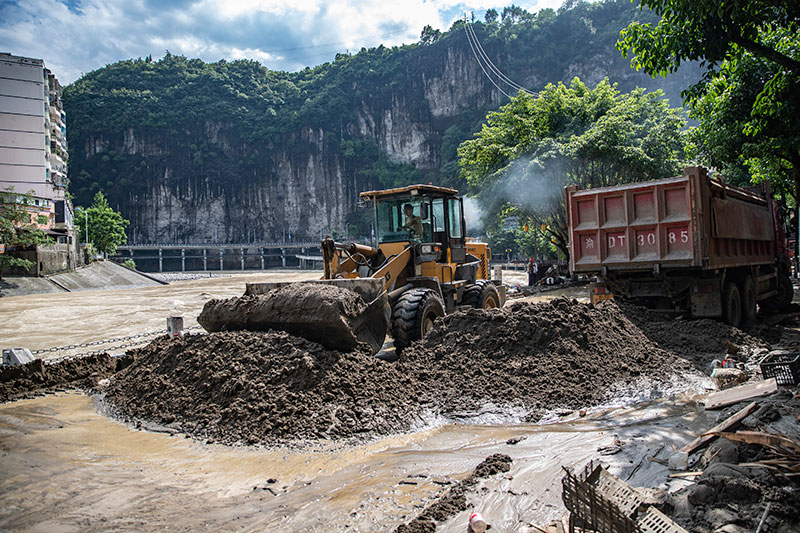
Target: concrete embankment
[{"x": 99, "y": 275}]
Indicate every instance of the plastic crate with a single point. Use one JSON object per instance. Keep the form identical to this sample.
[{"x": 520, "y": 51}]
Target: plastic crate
[
  {"x": 784, "y": 367},
  {"x": 654, "y": 521},
  {"x": 593, "y": 499}
]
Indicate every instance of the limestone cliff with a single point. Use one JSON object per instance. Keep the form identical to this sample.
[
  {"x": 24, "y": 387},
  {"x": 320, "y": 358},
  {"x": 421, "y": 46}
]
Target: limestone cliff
[{"x": 212, "y": 179}]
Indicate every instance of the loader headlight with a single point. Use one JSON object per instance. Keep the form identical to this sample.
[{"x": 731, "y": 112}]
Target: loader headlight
[{"x": 427, "y": 249}]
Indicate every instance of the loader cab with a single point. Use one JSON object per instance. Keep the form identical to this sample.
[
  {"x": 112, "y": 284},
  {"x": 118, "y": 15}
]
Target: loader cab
[{"x": 439, "y": 210}]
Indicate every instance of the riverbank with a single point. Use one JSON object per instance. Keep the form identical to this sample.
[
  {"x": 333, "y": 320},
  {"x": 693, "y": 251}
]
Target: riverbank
[{"x": 105, "y": 275}]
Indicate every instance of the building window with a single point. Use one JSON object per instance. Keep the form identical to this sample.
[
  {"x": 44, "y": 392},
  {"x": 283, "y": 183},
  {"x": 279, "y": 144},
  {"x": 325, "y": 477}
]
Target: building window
[{"x": 42, "y": 219}]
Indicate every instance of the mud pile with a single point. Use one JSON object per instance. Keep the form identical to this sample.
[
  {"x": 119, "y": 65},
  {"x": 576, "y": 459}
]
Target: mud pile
[
  {"x": 560, "y": 354},
  {"x": 688, "y": 336},
  {"x": 258, "y": 387},
  {"x": 702, "y": 340},
  {"x": 36, "y": 378},
  {"x": 455, "y": 499}
]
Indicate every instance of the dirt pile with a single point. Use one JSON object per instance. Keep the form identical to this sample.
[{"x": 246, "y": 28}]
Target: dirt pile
[
  {"x": 687, "y": 336},
  {"x": 560, "y": 354},
  {"x": 258, "y": 387},
  {"x": 455, "y": 499},
  {"x": 36, "y": 377}
]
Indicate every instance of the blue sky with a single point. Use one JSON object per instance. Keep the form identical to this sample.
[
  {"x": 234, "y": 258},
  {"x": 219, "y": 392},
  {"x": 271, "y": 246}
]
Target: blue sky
[{"x": 78, "y": 36}]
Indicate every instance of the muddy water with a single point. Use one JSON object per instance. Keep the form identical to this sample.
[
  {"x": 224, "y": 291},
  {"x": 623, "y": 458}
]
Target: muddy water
[
  {"x": 57, "y": 319},
  {"x": 65, "y": 466}
]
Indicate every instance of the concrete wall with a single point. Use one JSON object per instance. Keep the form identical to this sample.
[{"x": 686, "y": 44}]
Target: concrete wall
[{"x": 47, "y": 260}]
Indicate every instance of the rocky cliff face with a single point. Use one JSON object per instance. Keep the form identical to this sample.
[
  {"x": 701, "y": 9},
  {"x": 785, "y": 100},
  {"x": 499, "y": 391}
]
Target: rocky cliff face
[{"x": 207, "y": 184}]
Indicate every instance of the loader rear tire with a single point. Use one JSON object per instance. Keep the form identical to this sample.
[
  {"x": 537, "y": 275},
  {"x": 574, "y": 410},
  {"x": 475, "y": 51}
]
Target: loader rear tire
[
  {"x": 413, "y": 316},
  {"x": 482, "y": 295}
]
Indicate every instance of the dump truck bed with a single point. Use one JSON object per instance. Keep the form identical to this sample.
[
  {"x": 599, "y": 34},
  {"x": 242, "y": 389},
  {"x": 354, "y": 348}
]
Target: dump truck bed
[{"x": 685, "y": 221}]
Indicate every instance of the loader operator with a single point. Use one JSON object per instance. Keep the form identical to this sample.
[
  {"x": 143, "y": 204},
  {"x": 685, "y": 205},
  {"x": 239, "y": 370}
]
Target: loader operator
[{"x": 412, "y": 222}]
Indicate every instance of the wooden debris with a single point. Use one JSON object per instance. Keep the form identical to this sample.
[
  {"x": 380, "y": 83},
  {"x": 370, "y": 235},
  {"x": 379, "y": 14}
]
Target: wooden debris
[
  {"x": 743, "y": 392},
  {"x": 686, "y": 474},
  {"x": 778, "y": 442},
  {"x": 784, "y": 452},
  {"x": 728, "y": 423},
  {"x": 657, "y": 460}
]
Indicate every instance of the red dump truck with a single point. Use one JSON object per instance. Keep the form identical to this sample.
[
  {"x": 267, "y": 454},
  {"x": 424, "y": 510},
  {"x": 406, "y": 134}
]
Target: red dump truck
[{"x": 690, "y": 244}]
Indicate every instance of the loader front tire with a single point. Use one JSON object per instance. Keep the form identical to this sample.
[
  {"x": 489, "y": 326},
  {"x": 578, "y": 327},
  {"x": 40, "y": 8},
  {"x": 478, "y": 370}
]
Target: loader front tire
[
  {"x": 413, "y": 316},
  {"x": 482, "y": 295}
]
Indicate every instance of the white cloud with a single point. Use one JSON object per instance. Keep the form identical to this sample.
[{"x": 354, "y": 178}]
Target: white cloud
[{"x": 82, "y": 35}]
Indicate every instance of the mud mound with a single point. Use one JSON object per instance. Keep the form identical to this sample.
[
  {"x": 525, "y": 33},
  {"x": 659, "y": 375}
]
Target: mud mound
[
  {"x": 455, "y": 500},
  {"x": 700, "y": 340},
  {"x": 22, "y": 381},
  {"x": 560, "y": 354},
  {"x": 257, "y": 387}
]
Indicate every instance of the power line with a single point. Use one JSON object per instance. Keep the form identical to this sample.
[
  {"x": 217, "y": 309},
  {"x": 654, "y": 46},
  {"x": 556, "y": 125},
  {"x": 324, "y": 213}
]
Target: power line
[
  {"x": 494, "y": 68},
  {"x": 486, "y": 63},
  {"x": 480, "y": 63}
]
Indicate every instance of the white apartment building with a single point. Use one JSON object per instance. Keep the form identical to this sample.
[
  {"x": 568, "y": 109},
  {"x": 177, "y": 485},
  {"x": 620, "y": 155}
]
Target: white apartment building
[{"x": 33, "y": 145}]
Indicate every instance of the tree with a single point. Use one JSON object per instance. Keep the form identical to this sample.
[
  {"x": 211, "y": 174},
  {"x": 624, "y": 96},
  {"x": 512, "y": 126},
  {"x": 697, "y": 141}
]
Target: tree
[
  {"x": 747, "y": 101},
  {"x": 748, "y": 124},
  {"x": 490, "y": 16},
  {"x": 531, "y": 148},
  {"x": 106, "y": 226},
  {"x": 17, "y": 231},
  {"x": 711, "y": 32},
  {"x": 429, "y": 35}
]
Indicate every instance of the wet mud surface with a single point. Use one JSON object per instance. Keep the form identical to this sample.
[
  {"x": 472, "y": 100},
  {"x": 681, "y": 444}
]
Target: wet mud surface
[
  {"x": 37, "y": 378},
  {"x": 92, "y": 473}
]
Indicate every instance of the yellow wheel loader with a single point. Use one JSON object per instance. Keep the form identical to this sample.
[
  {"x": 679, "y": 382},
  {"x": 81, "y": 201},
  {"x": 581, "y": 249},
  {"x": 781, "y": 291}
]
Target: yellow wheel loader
[{"x": 423, "y": 267}]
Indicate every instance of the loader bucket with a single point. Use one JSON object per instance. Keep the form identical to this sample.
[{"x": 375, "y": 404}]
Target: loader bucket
[{"x": 339, "y": 314}]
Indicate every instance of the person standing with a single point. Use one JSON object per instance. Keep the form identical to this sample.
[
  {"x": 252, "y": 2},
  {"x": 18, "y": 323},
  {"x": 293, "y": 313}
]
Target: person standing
[
  {"x": 535, "y": 271},
  {"x": 531, "y": 274}
]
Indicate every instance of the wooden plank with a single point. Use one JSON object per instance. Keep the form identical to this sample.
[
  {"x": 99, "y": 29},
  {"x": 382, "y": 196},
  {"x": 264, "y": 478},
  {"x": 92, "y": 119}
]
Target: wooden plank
[
  {"x": 778, "y": 442},
  {"x": 742, "y": 392},
  {"x": 686, "y": 474},
  {"x": 726, "y": 424}
]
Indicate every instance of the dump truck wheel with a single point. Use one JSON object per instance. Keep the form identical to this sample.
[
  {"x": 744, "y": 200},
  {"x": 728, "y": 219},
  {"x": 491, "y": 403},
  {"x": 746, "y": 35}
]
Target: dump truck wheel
[
  {"x": 413, "y": 316},
  {"x": 782, "y": 300},
  {"x": 749, "y": 303},
  {"x": 732, "y": 305},
  {"x": 482, "y": 295}
]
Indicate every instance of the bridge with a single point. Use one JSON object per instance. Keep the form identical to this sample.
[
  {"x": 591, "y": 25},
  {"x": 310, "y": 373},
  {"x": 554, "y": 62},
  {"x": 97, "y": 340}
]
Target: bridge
[{"x": 220, "y": 257}]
